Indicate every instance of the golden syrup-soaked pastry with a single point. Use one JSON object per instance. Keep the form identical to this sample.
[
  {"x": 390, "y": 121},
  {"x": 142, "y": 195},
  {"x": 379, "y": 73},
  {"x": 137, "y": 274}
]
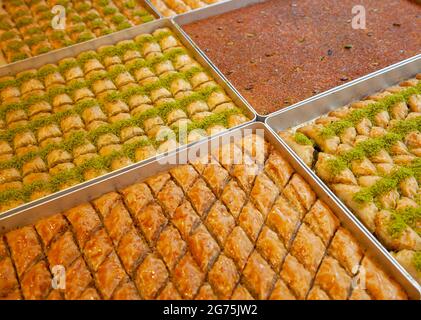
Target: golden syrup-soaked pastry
[
  {"x": 151, "y": 221},
  {"x": 23, "y": 240},
  {"x": 293, "y": 197},
  {"x": 305, "y": 194},
  {"x": 109, "y": 275},
  {"x": 283, "y": 219},
  {"x": 251, "y": 221},
  {"x": 114, "y": 215},
  {"x": 281, "y": 292},
  {"x": 322, "y": 169},
  {"x": 8, "y": 278},
  {"x": 169, "y": 293},
  {"x": 264, "y": 193},
  {"x": 206, "y": 293},
  {"x": 58, "y": 156},
  {"x": 170, "y": 246},
  {"x": 203, "y": 247},
  {"x": 271, "y": 248},
  {"x": 188, "y": 277},
  {"x": 23, "y": 139},
  {"x": 238, "y": 247},
  {"x": 328, "y": 145},
  {"x": 48, "y": 228},
  {"x": 33, "y": 166},
  {"x": 345, "y": 248},
  {"x": 84, "y": 221},
  {"x": 170, "y": 197},
  {"x": 322, "y": 221},
  {"x": 278, "y": 169},
  {"x": 185, "y": 219},
  {"x": 63, "y": 251},
  {"x": 55, "y": 295},
  {"x": 379, "y": 284},
  {"x": 97, "y": 249},
  {"x": 131, "y": 249},
  {"x": 216, "y": 176},
  {"x": 220, "y": 222},
  {"x": 14, "y": 116},
  {"x": 36, "y": 282},
  {"x": 136, "y": 197},
  {"x": 185, "y": 175},
  {"x": 407, "y": 239},
  {"x": 316, "y": 293},
  {"x": 90, "y": 294},
  {"x": 201, "y": 197},
  {"x": 359, "y": 294},
  {"x": 308, "y": 248},
  {"x": 296, "y": 277},
  {"x": 409, "y": 187},
  {"x": 9, "y": 175},
  {"x": 305, "y": 152},
  {"x": 127, "y": 291},
  {"x": 223, "y": 277},
  {"x": 366, "y": 212},
  {"x": 234, "y": 198},
  {"x": 241, "y": 293},
  {"x": 406, "y": 258},
  {"x": 257, "y": 147},
  {"x": 78, "y": 279},
  {"x": 156, "y": 183},
  {"x": 229, "y": 154},
  {"x": 333, "y": 279},
  {"x": 246, "y": 173},
  {"x": 258, "y": 276}
]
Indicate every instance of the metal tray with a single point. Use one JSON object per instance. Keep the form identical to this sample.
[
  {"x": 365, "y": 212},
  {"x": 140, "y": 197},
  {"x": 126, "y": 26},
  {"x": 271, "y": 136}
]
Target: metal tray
[
  {"x": 54, "y": 57},
  {"x": 15, "y": 65},
  {"x": 307, "y": 111},
  {"x": 142, "y": 171}
]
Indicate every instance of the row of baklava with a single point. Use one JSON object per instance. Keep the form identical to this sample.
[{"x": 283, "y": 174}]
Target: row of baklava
[
  {"x": 26, "y": 25},
  {"x": 102, "y": 111},
  {"x": 238, "y": 223},
  {"x": 170, "y": 8},
  {"x": 369, "y": 152}
]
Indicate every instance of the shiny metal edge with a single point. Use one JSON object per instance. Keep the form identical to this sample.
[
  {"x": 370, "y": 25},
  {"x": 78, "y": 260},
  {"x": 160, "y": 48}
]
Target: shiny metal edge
[
  {"x": 145, "y": 28},
  {"x": 308, "y": 111},
  {"x": 321, "y": 104},
  {"x": 37, "y": 61},
  {"x": 166, "y": 162}
]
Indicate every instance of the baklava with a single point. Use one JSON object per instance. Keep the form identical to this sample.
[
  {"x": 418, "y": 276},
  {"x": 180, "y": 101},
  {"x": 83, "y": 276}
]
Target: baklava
[
  {"x": 103, "y": 110},
  {"x": 369, "y": 154},
  {"x": 185, "y": 234},
  {"x": 26, "y": 28}
]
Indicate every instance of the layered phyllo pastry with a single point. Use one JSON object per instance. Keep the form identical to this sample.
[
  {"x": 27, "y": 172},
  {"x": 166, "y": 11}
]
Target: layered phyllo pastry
[
  {"x": 69, "y": 122},
  {"x": 26, "y": 25},
  {"x": 237, "y": 224},
  {"x": 369, "y": 153},
  {"x": 170, "y": 8}
]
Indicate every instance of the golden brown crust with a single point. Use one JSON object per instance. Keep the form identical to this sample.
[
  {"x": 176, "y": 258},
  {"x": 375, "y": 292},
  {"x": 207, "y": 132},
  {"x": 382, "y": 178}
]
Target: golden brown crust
[
  {"x": 197, "y": 232},
  {"x": 223, "y": 276}
]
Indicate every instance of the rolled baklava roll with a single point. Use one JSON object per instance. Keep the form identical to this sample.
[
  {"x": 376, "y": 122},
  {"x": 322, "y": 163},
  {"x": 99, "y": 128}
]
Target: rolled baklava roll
[
  {"x": 148, "y": 46},
  {"x": 70, "y": 69},
  {"x": 167, "y": 41},
  {"x": 161, "y": 6}
]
